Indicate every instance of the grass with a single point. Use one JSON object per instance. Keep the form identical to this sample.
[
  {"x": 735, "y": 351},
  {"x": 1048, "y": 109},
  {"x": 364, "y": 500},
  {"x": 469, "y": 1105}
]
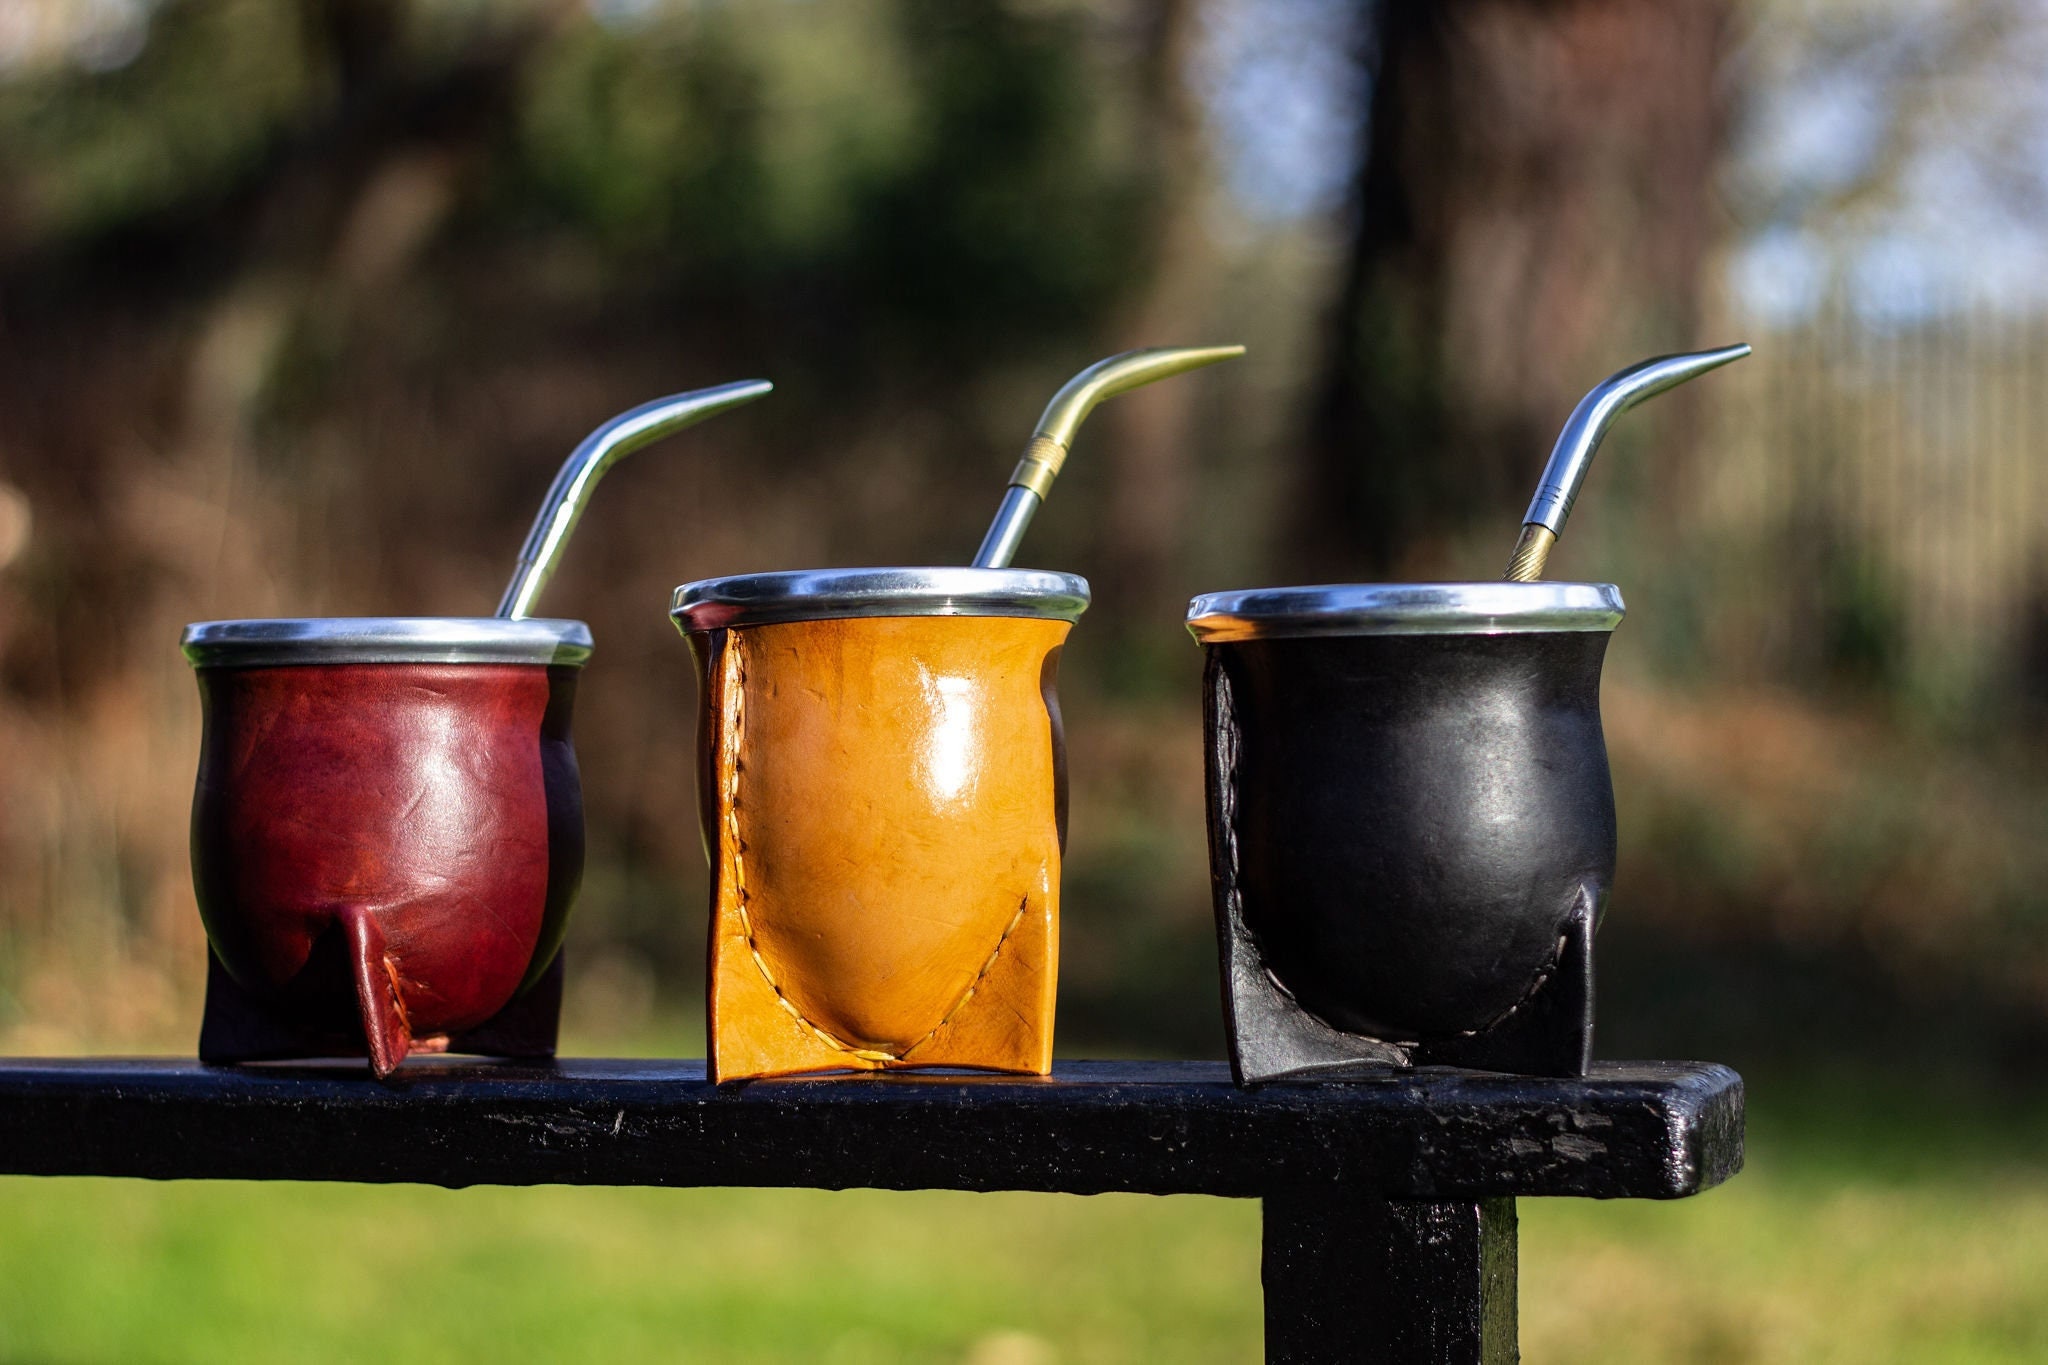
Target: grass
[
  {"x": 1883, "y": 1217},
  {"x": 123, "y": 1271},
  {"x": 1870, "y": 1227}
]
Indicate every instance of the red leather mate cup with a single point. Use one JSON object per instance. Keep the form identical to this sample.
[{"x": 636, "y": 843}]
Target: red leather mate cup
[{"x": 387, "y": 828}]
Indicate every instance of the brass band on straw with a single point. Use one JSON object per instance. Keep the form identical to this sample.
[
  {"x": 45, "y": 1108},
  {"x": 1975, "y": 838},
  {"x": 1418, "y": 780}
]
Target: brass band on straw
[
  {"x": 1040, "y": 466},
  {"x": 1032, "y": 479},
  {"x": 1532, "y": 551}
]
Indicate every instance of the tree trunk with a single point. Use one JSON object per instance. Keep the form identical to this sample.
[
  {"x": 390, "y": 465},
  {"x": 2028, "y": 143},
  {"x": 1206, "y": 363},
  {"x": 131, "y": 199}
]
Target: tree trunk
[{"x": 1532, "y": 210}]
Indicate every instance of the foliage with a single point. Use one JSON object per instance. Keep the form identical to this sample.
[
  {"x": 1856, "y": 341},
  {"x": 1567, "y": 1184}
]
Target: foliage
[{"x": 300, "y": 307}]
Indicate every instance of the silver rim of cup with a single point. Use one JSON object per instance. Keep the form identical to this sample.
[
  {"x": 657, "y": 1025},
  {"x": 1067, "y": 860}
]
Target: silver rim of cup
[
  {"x": 1494, "y": 607},
  {"x": 385, "y": 640},
  {"x": 823, "y": 594}
]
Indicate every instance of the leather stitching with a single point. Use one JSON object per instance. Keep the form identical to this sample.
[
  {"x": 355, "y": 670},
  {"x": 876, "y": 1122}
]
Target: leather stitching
[
  {"x": 1231, "y": 737},
  {"x": 1232, "y": 741},
  {"x": 397, "y": 995},
  {"x": 1227, "y": 735},
  {"x": 1015, "y": 920},
  {"x": 733, "y": 687},
  {"x": 1542, "y": 978}
]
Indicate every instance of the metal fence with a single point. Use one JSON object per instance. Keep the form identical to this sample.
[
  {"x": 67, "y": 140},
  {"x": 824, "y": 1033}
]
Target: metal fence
[{"x": 1876, "y": 505}]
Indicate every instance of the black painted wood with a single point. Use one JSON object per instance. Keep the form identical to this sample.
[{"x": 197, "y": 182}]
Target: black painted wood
[
  {"x": 1352, "y": 1278},
  {"x": 1647, "y": 1130}
]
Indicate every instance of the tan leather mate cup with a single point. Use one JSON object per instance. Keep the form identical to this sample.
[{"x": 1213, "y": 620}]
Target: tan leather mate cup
[{"x": 883, "y": 784}]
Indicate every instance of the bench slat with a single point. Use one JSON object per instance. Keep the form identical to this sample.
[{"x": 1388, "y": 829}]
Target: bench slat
[{"x": 1645, "y": 1130}]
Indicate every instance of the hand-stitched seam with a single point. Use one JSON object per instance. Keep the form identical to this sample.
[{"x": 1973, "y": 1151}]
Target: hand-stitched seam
[
  {"x": 1542, "y": 977},
  {"x": 1227, "y": 736},
  {"x": 1232, "y": 741},
  {"x": 1230, "y": 736},
  {"x": 1542, "y": 980},
  {"x": 397, "y": 995},
  {"x": 734, "y": 687},
  {"x": 734, "y": 723},
  {"x": 1022, "y": 905}
]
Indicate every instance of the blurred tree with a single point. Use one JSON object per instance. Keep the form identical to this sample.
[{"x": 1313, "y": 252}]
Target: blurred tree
[
  {"x": 1532, "y": 208},
  {"x": 301, "y": 304}
]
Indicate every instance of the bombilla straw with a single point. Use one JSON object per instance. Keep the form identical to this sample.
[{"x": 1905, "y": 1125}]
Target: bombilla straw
[
  {"x": 1033, "y": 477},
  {"x": 598, "y": 452},
  {"x": 1583, "y": 431}
]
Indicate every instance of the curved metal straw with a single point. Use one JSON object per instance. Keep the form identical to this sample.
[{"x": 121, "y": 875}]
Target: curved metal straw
[
  {"x": 598, "y": 452},
  {"x": 1033, "y": 477},
  {"x": 1583, "y": 431}
]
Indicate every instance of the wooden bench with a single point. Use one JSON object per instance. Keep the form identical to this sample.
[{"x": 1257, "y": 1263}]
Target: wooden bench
[{"x": 1389, "y": 1203}]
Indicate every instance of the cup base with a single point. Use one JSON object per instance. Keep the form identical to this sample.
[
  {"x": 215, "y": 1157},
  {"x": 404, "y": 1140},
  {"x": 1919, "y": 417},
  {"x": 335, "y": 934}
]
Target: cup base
[
  {"x": 1002, "y": 1024},
  {"x": 240, "y": 1026},
  {"x": 1273, "y": 1037}
]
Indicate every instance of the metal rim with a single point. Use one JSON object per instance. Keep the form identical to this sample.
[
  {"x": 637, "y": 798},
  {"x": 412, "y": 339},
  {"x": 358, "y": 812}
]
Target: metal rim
[
  {"x": 385, "y": 640},
  {"x": 822, "y": 594},
  {"x": 1493, "y": 607}
]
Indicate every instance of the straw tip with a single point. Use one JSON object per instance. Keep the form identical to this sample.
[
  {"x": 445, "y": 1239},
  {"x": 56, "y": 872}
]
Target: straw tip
[
  {"x": 1159, "y": 362},
  {"x": 1625, "y": 388},
  {"x": 1699, "y": 362},
  {"x": 722, "y": 398},
  {"x": 1181, "y": 358}
]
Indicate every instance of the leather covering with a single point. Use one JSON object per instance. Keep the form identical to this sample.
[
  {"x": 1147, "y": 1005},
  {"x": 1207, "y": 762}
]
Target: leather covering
[
  {"x": 1411, "y": 841},
  {"x": 386, "y": 852},
  {"x": 884, "y": 801}
]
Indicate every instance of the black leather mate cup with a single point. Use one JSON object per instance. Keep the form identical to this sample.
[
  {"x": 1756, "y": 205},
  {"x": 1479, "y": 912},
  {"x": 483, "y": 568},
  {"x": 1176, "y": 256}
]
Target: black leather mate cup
[{"x": 1411, "y": 822}]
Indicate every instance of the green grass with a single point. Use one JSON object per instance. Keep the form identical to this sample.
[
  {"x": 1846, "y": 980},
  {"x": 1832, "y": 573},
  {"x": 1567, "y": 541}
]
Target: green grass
[
  {"x": 1947, "y": 1270},
  {"x": 125, "y": 1271},
  {"x": 1868, "y": 1228},
  {"x": 1883, "y": 1217}
]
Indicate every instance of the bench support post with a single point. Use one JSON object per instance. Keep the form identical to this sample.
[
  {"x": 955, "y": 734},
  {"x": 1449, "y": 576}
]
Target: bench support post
[{"x": 1352, "y": 1278}]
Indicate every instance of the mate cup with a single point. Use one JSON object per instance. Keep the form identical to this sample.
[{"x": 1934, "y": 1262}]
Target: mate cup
[
  {"x": 1411, "y": 822},
  {"x": 387, "y": 833},
  {"x": 387, "y": 829},
  {"x": 883, "y": 789}
]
